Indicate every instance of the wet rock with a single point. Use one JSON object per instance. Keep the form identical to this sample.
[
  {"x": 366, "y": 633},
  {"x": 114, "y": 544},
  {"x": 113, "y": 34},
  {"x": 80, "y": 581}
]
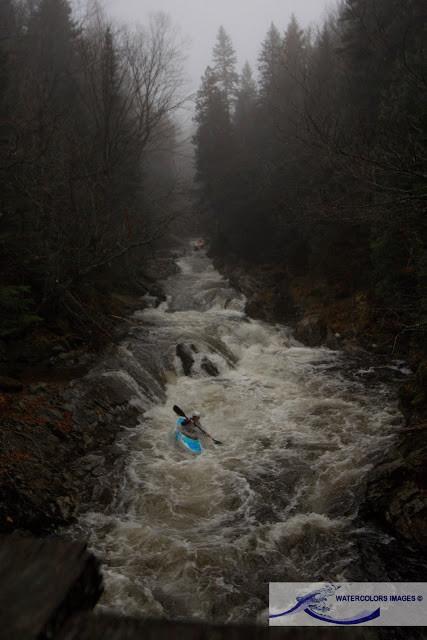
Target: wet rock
[
  {"x": 209, "y": 367},
  {"x": 38, "y": 388},
  {"x": 103, "y": 495},
  {"x": 10, "y": 385},
  {"x": 397, "y": 488},
  {"x": 109, "y": 391},
  {"x": 407, "y": 512},
  {"x": 413, "y": 395},
  {"x": 185, "y": 354},
  {"x": 54, "y": 414},
  {"x": 67, "y": 580},
  {"x": 58, "y": 433},
  {"x": 91, "y": 462},
  {"x": 311, "y": 331},
  {"x": 58, "y": 348},
  {"x": 150, "y": 287},
  {"x": 255, "y": 306},
  {"x": 333, "y": 340},
  {"x": 353, "y": 348},
  {"x": 88, "y": 440},
  {"x": 67, "y": 507},
  {"x": 85, "y": 359}
]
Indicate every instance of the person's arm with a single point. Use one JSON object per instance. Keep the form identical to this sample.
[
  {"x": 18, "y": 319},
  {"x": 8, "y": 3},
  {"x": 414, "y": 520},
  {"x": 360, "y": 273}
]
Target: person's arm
[
  {"x": 198, "y": 426},
  {"x": 206, "y": 433}
]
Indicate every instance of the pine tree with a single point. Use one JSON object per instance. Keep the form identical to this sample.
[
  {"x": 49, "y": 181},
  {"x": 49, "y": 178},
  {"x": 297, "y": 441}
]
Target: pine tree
[
  {"x": 224, "y": 65},
  {"x": 247, "y": 97},
  {"x": 110, "y": 97},
  {"x": 294, "y": 61},
  {"x": 269, "y": 63},
  {"x": 51, "y": 38},
  {"x": 371, "y": 36},
  {"x": 215, "y": 153},
  {"x": 8, "y": 133},
  {"x": 213, "y": 128},
  {"x": 7, "y": 36},
  {"x": 52, "y": 21}
]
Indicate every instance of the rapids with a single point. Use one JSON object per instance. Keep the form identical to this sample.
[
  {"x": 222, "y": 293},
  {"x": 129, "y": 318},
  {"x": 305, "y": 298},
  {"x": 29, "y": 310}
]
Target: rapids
[{"x": 200, "y": 538}]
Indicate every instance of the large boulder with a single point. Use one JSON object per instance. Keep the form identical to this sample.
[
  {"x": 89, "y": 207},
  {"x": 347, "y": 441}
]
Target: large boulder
[
  {"x": 43, "y": 584},
  {"x": 311, "y": 330},
  {"x": 209, "y": 367},
  {"x": 185, "y": 354},
  {"x": 397, "y": 488}
]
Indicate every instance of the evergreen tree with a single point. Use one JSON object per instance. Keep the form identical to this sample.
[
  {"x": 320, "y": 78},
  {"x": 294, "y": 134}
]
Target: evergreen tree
[
  {"x": 329, "y": 154},
  {"x": 78, "y": 111},
  {"x": 8, "y": 132},
  {"x": 212, "y": 138},
  {"x": 224, "y": 65},
  {"x": 110, "y": 100},
  {"x": 247, "y": 98},
  {"x": 7, "y": 44},
  {"x": 293, "y": 72},
  {"x": 269, "y": 63},
  {"x": 51, "y": 37}
]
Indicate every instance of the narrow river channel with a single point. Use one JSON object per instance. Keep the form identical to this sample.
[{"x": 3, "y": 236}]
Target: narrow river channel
[{"x": 201, "y": 537}]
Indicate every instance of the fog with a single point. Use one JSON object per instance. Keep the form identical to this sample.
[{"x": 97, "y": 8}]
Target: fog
[{"x": 246, "y": 21}]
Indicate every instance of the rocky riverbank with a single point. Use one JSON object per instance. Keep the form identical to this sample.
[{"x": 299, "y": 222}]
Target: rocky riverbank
[
  {"x": 59, "y": 449},
  {"x": 59, "y": 425},
  {"x": 396, "y": 496}
]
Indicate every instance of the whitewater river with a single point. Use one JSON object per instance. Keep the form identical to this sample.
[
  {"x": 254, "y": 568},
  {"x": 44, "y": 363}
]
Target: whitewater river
[{"x": 202, "y": 537}]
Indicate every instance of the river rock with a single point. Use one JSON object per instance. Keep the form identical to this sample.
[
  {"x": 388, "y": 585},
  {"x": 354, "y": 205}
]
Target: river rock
[
  {"x": 209, "y": 367},
  {"x": 333, "y": 340},
  {"x": 255, "y": 306},
  {"x": 67, "y": 507},
  {"x": 91, "y": 462},
  {"x": 10, "y": 385},
  {"x": 311, "y": 331},
  {"x": 396, "y": 492},
  {"x": 185, "y": 354},
  {"x": 43, "y": 583},
  {"x": 54, "y": 414},
  {"x": 39, "y": 387},
  {"x": 102, "y": 495},
  {"x": 58, "y": 348}
]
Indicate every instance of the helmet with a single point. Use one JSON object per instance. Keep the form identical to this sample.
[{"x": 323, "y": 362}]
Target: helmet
[{"x": 195, "y": 414}]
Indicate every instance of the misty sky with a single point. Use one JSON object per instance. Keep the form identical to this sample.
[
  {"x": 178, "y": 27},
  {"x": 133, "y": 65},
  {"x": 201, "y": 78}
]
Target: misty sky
[{"x": 246, "y": 21}]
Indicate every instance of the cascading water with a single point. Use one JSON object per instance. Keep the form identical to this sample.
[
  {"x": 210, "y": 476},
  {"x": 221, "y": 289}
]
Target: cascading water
[{"x": 201, "y": 537}]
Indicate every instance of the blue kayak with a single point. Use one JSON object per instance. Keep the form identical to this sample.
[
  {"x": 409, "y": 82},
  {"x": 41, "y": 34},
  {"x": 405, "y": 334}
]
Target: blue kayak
[{"x": 192, "y": 445}]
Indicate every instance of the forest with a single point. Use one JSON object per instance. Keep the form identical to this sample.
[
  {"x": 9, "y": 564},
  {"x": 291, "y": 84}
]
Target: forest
[
  {"x": 87, "y": 174},
  {"x": 316, "y": 161}
]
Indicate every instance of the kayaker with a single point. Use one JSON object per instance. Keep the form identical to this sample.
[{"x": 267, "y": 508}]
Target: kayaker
[{"x": 190, "y": 426}]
